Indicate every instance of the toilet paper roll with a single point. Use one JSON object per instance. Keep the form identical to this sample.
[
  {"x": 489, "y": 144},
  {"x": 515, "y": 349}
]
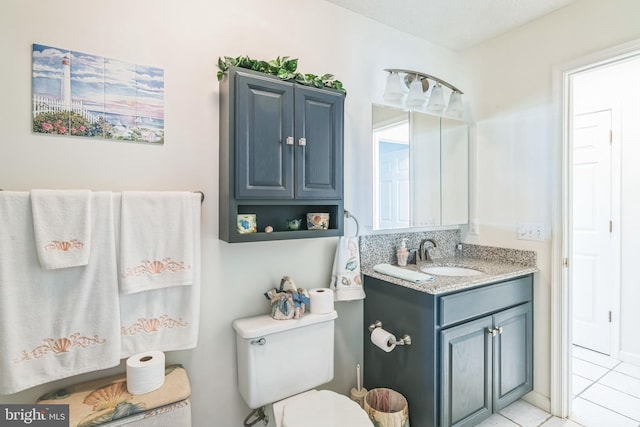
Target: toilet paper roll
[
  {"x": 383, "y": 339},
  {"x": 145, "y": 372},
  {"x": 321, "y": 300}
]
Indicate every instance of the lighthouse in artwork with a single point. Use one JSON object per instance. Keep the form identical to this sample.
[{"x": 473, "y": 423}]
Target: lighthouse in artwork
[{"x": 65, "y": 88}]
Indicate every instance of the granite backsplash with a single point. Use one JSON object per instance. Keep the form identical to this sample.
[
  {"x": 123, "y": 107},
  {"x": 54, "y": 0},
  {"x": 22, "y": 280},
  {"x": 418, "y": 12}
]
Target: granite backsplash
[{"x": 381, "y": 248}]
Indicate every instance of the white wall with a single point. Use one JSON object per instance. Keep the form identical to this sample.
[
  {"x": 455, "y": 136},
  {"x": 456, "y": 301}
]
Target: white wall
[
  {"x": 516, "y": 143},
  {"x": 186, "y": 38}
]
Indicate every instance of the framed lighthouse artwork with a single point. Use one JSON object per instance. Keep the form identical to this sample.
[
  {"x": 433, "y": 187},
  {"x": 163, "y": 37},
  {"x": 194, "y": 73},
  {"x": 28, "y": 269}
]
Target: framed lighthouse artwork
[{"x": 89, "y": 96}]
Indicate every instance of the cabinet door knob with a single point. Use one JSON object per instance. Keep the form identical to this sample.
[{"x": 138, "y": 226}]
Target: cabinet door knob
[
  {"x": 499, "y": 329},
  {"x": 302, "y": 141},
  {"x": 289, "y": 140},
  {"x": 492, "y": 332}
]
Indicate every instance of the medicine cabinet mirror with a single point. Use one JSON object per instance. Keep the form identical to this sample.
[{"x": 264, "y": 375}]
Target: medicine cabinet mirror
[{"x": 421, "y": 169}]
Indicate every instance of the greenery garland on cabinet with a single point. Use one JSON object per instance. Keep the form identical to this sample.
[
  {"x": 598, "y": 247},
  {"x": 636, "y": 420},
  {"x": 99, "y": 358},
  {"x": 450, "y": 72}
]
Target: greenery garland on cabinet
[{"x": 283, "y": 67}]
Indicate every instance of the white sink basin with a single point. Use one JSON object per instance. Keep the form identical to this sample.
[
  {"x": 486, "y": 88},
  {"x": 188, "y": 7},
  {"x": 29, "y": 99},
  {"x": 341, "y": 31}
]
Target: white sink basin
[{"x": 442, "y": 270}]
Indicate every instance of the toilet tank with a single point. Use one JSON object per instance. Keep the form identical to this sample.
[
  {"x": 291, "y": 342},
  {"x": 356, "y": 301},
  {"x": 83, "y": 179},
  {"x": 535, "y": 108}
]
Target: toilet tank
[{"x": 281, "y": 358}]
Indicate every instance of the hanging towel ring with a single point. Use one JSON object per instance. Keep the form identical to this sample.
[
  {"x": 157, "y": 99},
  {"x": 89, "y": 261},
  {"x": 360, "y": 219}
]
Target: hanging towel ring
[{"x": 349, "y": 215}]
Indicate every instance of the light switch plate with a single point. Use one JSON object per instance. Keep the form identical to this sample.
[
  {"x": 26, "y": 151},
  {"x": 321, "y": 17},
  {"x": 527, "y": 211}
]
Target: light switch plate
[{"x": 531, "y": 231}]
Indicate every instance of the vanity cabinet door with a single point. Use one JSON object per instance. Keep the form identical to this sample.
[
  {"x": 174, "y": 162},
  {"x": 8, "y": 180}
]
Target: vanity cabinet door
[
  {"x": 513, "y": 355},
  {"x": 486, "y": 365},
  {"x": 264, "y": 138},
  {"x": 318, "y": 143},
  {"x": 466, "y": 373}
]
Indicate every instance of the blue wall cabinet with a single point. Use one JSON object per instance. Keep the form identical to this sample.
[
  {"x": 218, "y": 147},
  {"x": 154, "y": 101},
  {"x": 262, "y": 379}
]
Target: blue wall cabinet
[
  {"x": 471, "y": 352},
  {"x": 281, "y": 155}
]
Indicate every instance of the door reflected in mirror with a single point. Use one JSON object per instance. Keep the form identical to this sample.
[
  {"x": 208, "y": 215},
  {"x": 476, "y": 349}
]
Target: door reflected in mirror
[
  {"x": 392, "y": 159},
  {"x": 420, "y": 169}
]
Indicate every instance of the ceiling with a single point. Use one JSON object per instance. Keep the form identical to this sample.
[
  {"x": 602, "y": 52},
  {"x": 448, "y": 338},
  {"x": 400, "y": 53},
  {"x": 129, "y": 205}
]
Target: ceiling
[{"x": 454, "y": 24}]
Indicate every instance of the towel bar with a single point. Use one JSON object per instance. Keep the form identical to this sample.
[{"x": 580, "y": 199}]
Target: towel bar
[
  {"x": 197, "y": 191},
  {"x": 348, "y": 214}
]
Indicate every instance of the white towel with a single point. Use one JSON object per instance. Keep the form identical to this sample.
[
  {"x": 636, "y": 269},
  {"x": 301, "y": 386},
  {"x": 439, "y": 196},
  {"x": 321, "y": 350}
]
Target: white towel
[
  {"x": 55, "y": 323},
  {"x": 62, "y": 227},
  {"x": 402, "y": 273},
  {"x": 345, "y": 277},
  {"x": 165, "y": 319},
  {"x": 156, "y": 248}
]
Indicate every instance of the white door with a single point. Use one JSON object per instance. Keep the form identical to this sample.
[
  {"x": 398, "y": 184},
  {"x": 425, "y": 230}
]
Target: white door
[
  {"x": 394, "y": 185},
  {"x": 591, "y": 258}
]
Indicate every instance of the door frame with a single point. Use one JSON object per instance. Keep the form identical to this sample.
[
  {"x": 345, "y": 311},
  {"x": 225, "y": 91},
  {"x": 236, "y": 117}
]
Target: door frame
[{"x": 560, "y": 363}]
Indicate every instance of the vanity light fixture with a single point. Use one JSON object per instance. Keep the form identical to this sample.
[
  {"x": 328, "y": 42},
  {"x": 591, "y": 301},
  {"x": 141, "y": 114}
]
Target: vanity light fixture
[
  {"x": 418, "y": 84},
  {"x": 393, "y": 91}
]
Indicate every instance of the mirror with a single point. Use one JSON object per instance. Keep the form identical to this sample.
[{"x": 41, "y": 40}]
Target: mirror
[{"x": 421, "y": 169}]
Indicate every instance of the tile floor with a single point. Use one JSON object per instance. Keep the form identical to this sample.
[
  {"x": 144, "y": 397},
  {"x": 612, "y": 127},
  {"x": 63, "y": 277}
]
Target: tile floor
[{"x": 606, "y": 393}]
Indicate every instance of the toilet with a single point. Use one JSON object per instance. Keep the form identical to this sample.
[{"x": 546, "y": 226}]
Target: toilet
[{"x": 281, "y": 361}]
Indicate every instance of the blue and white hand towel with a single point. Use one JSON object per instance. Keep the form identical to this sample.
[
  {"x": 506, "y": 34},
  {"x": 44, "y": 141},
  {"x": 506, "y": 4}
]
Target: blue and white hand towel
[{"x": 346, "y": 281}]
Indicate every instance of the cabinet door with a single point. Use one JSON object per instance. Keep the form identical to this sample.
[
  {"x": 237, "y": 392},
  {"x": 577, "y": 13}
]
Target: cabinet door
[
  {"x": 466, "y": 366},
  {"x": 264, "y": 120},
  {"x": 513, "y": 355},
  {"x": 319, "y": 143}
]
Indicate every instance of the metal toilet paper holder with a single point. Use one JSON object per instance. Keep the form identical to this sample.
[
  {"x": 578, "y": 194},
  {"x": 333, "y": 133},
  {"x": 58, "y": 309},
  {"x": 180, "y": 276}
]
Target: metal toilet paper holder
[{"x": 405, "y": 340}]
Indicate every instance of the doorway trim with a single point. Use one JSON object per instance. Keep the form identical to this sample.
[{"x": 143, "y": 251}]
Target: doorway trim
[{"x": 560, "y": 364}]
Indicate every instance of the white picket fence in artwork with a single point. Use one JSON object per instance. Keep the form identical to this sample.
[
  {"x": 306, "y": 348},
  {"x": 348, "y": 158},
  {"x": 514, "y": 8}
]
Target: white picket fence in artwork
[{"x": 43, "y": 104}]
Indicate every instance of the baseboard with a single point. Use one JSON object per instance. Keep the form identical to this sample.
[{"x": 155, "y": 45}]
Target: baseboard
[
  {"x": 538, "y": 400},
  {"x": 632, "y": 358}
]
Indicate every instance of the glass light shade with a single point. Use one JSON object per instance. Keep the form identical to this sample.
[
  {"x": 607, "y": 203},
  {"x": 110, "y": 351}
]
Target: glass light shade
[
  {"x": 455, "y": 108},
  {"x": 393, "y": 91},
  {"x": 416, "y": 96},
  {"x": 436, "y": 100}
]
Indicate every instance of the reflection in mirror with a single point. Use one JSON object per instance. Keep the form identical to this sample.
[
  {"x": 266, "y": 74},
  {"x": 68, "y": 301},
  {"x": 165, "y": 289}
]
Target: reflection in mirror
[
  {"x": 425, "y": 163},
  {"x": 455, "y": 177},
  {"x": 392, "y": 205},
  {"x": 420, "y": 169}
]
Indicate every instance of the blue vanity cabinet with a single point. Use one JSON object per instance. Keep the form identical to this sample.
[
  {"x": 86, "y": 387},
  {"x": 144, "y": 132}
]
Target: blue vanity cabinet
[
  {"x": 281, "y": 155},
  {"x": 486, "y": 365},
  {"x": 471, "y": 352}
]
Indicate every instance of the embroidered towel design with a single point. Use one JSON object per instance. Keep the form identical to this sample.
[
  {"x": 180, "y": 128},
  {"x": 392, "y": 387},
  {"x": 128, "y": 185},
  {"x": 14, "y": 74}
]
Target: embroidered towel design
[
  {"x": 156, "y": 248},
  {"x": 62, "y": 227},
  {"x": 60, "y": 345}
]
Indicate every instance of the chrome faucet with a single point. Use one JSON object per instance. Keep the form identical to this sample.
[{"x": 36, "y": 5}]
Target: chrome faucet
[{"x": 423, "y": 252}]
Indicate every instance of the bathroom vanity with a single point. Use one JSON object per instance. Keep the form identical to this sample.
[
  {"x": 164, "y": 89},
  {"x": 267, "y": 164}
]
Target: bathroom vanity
[{"x": 471, "y": 351}]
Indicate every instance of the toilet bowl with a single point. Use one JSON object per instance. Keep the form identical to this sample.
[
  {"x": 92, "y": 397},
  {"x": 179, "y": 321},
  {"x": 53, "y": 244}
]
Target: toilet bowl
[{"x": 321, "y": 408}]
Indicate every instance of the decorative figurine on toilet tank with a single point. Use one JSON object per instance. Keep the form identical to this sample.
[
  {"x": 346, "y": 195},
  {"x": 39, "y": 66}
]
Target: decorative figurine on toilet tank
[{"x": 287, "y": 302}]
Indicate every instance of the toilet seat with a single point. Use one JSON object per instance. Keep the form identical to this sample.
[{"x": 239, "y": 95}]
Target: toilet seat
[{"x": 322, "y": 408}]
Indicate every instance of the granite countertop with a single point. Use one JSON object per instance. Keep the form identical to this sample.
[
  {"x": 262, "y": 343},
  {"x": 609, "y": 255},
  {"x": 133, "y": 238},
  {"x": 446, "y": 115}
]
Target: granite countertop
[{"x": 492, "y": 271}]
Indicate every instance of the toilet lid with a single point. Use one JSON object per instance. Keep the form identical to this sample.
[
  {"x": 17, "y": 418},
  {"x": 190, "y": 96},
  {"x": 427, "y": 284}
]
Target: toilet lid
[{"x": 324, "y": 409}]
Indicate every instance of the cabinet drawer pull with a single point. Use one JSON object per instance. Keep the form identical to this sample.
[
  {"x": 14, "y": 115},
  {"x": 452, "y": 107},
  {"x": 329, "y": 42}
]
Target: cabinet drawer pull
[
  {"x": 302, "y": 141},
  {"x": 289, "y": 140}
]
